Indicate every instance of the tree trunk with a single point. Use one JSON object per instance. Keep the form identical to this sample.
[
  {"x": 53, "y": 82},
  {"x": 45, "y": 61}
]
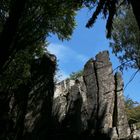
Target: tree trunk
[
  {"x": 136, "y": 10},
  {"x": 10, "y": 29}
]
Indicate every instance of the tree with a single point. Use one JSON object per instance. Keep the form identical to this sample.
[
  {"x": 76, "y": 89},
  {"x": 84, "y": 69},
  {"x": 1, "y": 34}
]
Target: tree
[
  {"x": 43, "y": 14},
  {"x": 125, "y": 41},
  {"x": 75, "y": 75},
  {"x": 129, "y": 103},
  {"x": 109, "y": 9},
  {"x": 30, "y": 22},
  {"x": 132, "y": 110}
]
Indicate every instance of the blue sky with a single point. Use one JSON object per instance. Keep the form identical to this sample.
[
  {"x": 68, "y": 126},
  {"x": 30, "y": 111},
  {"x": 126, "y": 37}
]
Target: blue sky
[{"x": 84, "y": 44}]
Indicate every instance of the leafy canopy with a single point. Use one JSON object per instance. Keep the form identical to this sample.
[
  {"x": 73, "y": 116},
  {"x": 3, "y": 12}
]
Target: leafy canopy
[
  {"x": 36, "y": 21},
  {"x": 132, "y": 110},
  {"x": 125, "y": 41}
]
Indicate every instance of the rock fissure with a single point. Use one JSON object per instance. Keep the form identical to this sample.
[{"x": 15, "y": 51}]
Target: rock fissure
[
  {"x": 97, "y": 94},
  {"x": 115, "y": 112}
]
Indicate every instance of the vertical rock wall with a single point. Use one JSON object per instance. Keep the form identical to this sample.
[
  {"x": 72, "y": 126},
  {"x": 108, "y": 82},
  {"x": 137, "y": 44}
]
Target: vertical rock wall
[
  {"x": 120, "y": 118},
  {"x": 92, "y": 106}
]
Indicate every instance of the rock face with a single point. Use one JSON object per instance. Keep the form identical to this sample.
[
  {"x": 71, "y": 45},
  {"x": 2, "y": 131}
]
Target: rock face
[
  {"x": 31, "y": 114},
  {"x": 91, "y": 106}
]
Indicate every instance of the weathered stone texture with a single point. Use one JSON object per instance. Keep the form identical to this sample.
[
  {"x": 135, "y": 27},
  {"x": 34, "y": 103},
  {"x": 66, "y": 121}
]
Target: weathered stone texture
[
  {"x": 123, "y": 129},
  {"x": 91, "y": 94},
  {"x": 106, "y": 90},
  {"x": 93, "y": 104}
]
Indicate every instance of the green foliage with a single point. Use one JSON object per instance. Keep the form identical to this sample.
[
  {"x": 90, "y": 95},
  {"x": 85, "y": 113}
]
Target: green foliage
[
  {"x": 125, "y": 41},
  {"x": 107, "y": 9},
  {"x": 37, "y": 21},
  {"x": 132, "y": 110},
  {"x": 75, "y": 75},
  {"x": 129, "y": 103},
  {"x": 133, "y": 115},
  {"x": 18, "y": 71}
]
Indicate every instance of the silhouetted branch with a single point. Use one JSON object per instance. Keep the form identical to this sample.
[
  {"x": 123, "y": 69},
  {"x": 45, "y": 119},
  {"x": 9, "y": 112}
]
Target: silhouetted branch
[{"x": 131, "y": 78}]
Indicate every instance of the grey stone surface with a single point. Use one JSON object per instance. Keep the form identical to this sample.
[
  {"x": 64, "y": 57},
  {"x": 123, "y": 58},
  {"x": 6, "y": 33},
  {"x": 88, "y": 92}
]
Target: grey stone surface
[
  {"x": 91, "y": 94},
  {"x": 106, "y": 90},
  {"x": 136, "y": 135},
  {"x": 122, "y": 123},
  {"x": 94, "y": 102}
]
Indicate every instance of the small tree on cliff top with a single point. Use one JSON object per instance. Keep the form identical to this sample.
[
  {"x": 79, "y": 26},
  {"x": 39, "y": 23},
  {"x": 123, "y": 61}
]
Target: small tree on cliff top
[{"x": 75, "y": 75}]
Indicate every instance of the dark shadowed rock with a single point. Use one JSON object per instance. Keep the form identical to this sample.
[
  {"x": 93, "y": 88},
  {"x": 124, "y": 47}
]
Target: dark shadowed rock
[{"x": 31, "y": 104}]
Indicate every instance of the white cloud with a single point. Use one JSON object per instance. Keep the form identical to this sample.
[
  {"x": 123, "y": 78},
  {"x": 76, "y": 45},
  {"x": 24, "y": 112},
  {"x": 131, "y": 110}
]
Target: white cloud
[{"x": 65, "y": 53}]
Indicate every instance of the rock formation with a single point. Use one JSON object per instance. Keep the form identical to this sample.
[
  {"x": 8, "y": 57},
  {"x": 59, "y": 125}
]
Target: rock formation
[
  {"x": 30, "y": 109},
  {"x": 92, "y": 106}
]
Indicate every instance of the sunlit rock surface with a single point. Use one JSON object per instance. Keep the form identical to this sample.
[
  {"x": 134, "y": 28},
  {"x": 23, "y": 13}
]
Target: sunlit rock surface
[{"x": 92, "y": 106}]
